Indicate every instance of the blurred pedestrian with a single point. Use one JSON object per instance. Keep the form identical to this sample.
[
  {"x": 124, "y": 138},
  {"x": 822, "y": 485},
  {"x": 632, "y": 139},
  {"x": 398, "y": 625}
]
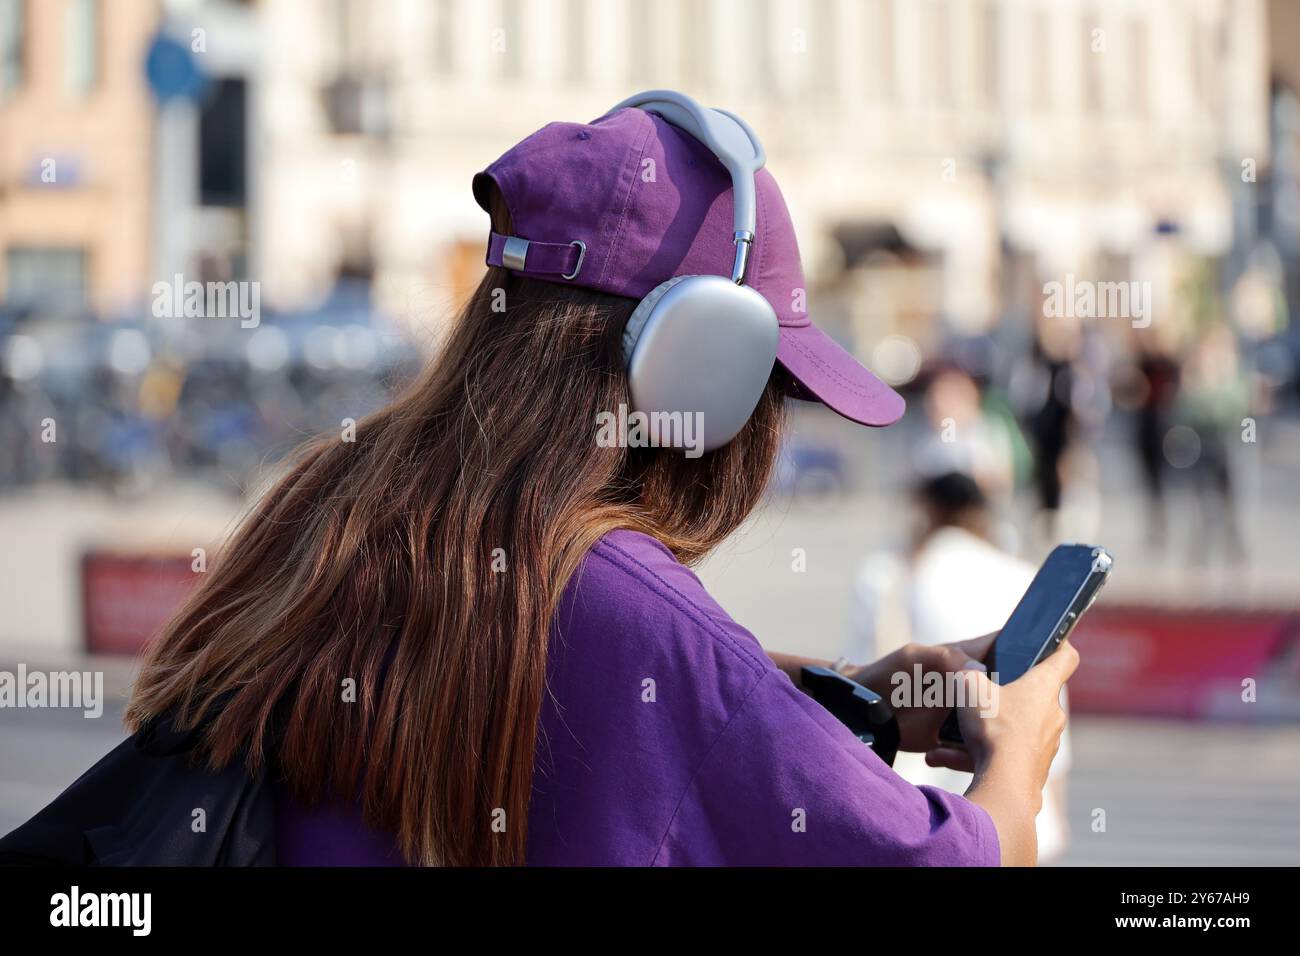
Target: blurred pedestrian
[
  {"x": 1213, "y": 402},
  {"x": 1156, "y": 377},
  {"x": 961, "y": 437},
  {"x": 1061, "y": 395}
]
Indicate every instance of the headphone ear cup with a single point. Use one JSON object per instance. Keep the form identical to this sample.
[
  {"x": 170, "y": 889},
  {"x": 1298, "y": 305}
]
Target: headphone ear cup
[
  {"x": 637, "y": 322},
  {"x": 700, "y": 355}
]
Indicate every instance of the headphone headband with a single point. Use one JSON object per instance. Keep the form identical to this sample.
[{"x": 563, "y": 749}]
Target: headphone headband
[{"x": 731, "y": 140}]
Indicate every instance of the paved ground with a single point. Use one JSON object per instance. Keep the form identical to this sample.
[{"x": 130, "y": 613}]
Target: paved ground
[
  {"x": 42, "y": 751},
  {"x": 1177, "y": 794}
]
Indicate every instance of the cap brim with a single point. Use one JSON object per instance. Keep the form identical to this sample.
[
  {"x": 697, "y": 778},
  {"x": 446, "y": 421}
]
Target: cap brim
[{"x": 835, "y": 378}]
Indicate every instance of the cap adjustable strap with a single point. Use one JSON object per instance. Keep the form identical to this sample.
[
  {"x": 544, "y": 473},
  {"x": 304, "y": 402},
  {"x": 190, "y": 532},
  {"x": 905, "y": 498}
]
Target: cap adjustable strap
[{"x": 562, "y": 259}]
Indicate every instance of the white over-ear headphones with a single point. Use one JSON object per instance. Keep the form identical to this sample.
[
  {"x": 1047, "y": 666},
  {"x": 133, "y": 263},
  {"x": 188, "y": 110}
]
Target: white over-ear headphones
[{"x": 704, "y": 345}]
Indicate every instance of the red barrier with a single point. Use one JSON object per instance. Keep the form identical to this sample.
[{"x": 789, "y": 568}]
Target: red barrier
[
  {"x": 126, "y": 599},
  {"x": 1194, "y": 664},
  {"x": 1148, "y": 661}
]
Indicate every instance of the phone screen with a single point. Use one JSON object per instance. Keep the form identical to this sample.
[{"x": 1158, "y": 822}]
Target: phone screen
[
  {"x": 1027, "y": 635},
  {"x": 1057, "y": 597}
]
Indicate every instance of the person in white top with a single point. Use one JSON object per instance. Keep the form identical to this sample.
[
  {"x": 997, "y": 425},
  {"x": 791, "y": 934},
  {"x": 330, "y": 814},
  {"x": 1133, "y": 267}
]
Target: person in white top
[{"x": 953, "y": 584}]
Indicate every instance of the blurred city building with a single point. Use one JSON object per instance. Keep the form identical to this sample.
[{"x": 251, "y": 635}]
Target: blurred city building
[
  {"x": 945, "y": 161},
  {"x": 76, "y": 159},
  {"x": 943, "y": 158}
]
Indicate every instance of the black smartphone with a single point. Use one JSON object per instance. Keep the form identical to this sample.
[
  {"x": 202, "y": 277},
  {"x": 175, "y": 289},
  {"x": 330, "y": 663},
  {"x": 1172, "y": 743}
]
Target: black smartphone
[{"x": 1062, "y": 590}]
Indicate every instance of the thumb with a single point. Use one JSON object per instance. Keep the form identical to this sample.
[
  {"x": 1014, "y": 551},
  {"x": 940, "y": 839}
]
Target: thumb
[
  {"x": 954, "y": 657},
  {"x": 978, "y": 691},
  {"x": 951, "y": 758},
  {"x": 1058, "y": 668},
  {"x": 977, "y": 647}
]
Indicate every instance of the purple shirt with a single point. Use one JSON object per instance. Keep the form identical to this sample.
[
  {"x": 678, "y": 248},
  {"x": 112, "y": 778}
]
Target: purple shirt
[{"x": 669, "y": 737}]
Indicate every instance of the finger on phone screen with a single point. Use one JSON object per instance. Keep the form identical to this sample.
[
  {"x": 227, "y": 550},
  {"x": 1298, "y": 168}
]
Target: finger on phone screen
[{"x": 977, "y": 647}]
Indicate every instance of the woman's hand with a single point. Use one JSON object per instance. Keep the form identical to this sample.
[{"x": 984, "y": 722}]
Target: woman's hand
[
  {"x": 1022, "y": 725},
  {"x": 919, "y": 724},
  {"x": 1011, "y": 745},
  {"x": 1011, "y": 733}
]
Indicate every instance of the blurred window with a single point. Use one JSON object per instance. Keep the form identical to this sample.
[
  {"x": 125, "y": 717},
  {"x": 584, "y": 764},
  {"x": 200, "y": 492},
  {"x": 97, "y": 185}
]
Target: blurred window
[
  {"x": 358, "y": 105},
  {"x": 1197, "y": 64},
  {"x": 640, "y": 36},
  {"x": 938, "y": 77},
  {"x": 12, "y": 25},
  {"x": 343, "y": 33},
  {"x": 81, "y": 46},
  {"x": 444, "y": 52},
  {"x": 823, "y": 48},
  {"x": 222, "y": 150},
  {"x": 45, "y": 274},
  {"x": 512, "y": 25},
  {"x": 759, "y": 55},
  {"x": 986, "y": 53},
  {"x": 1201, "y": 63},
  {"x": 1040, "y": 75},
  {"x": 879, "y": 47},
  {"x": 1094, "y": 60},
  {"x": 696, "y": 55},
  {"x": 1139, "y": 45},
  {"x": 1207, "y": 42},
  {"x": 575, "y": 61}
]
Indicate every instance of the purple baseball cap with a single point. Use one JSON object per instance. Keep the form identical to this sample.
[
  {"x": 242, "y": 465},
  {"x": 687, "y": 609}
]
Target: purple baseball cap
[{"x": 628, "y": 201}]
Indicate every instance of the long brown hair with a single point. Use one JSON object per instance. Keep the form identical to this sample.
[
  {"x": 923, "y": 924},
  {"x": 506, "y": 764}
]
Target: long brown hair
[{"x": 423, "y": 562}]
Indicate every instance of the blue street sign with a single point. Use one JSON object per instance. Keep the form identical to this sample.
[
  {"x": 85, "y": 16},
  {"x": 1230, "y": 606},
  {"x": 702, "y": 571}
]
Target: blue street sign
[{"x": 172, "y": 70}]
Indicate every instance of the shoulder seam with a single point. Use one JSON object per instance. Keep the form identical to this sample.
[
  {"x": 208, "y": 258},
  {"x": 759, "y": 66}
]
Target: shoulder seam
[
  {"x": 678, "y": 600},
  {"x": 704, "y": 760}
]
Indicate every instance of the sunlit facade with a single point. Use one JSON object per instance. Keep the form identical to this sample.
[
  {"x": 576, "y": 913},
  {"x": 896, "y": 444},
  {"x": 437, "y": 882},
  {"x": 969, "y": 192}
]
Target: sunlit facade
[{"x": 942, "y": 132}]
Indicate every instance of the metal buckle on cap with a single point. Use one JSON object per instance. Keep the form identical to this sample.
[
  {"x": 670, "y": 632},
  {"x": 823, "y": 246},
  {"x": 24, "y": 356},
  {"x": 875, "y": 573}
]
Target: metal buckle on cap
[
  {"x": 582, "y": 254},
  {"x": 514, "y": 253}
]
